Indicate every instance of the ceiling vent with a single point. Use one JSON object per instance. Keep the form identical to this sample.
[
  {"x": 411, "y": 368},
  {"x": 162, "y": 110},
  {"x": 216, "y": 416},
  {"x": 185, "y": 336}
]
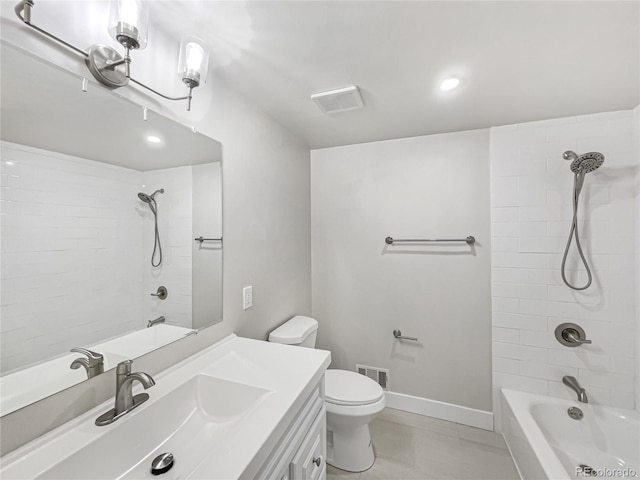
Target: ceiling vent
[{"x": 339, "y": 100}]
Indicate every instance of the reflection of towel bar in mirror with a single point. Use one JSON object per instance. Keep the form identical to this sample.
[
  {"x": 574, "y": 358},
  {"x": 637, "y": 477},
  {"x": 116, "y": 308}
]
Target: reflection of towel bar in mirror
[
  {"x": 469, "y": 240},
  {"x": 398, "y": 334},
  {"x": 202, "y": 239}
]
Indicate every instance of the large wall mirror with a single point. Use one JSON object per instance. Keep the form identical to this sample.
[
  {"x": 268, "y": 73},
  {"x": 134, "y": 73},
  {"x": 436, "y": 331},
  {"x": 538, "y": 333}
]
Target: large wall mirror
[{"x": 111, "y": 230}]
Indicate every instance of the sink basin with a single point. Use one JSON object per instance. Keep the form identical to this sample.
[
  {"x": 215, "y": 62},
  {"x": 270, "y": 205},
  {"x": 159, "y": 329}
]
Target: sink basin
[{"x": 201, "y": 412}]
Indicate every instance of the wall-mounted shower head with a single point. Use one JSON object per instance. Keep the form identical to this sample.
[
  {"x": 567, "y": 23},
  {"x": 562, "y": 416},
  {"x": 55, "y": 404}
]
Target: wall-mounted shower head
[{"x": 587, "y": 163}]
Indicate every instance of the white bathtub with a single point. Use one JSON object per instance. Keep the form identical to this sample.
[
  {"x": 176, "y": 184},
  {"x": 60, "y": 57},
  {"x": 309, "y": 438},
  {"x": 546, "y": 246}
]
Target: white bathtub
[
  {"x": 548, "y": 444},
  {"x": 31, "y": 384}
]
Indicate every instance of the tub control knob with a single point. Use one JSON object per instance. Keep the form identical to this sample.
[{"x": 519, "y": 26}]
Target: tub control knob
[{"x": 571, "y": 335}]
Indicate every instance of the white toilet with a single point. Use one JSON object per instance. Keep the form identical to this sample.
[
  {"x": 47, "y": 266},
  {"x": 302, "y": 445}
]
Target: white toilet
[{"x": 352, "y": 401}]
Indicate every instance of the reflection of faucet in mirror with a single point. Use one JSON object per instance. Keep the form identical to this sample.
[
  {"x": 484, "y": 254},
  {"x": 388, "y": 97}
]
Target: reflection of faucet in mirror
[
  {"x": 93, "y": 364},
  {"x": 151, "y": 201}
]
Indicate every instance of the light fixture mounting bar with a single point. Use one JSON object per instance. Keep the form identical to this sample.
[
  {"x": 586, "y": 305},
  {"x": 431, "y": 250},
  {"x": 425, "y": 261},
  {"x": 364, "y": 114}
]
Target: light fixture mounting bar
[
  {"x": 26, "y": 6},
  {"x": 101, "y": 60}
]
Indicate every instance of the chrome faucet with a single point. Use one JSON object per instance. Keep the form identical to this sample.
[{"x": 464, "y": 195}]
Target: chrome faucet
[
  {"x": 125, "y": 401},
  {"x": 573, "y": 384},
  {"x": 93, "y": 364}
]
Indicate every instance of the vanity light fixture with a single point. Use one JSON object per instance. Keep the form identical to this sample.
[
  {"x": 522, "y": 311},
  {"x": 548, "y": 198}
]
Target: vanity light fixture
[{"x": 128, "y": 24}]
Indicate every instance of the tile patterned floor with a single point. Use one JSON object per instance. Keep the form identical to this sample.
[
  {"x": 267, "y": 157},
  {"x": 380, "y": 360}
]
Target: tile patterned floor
[{"x": 414, "y": 447}]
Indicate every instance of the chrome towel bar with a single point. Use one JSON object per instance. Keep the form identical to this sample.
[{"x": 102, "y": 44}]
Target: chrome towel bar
[
  {"x": 469, "y": 240},
  {"x": 202, "y": 239}
]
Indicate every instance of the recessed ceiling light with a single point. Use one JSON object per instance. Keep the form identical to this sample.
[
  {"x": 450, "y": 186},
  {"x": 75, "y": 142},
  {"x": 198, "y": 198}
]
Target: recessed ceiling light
[
  {"x": 153, "y": 139},
  {"x": 449, "y": 84},
  {"x": 9, "y": 162}
]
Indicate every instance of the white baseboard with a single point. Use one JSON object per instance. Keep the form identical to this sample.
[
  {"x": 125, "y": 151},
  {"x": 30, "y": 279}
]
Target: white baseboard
[{"x": 441, "y": 410}]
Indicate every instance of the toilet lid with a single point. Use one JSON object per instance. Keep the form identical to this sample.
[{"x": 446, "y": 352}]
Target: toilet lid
[{"x": 343, "y": 387}]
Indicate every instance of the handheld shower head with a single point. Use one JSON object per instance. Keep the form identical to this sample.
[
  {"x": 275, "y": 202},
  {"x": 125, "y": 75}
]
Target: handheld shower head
[
  {"x": 580, "y": 166},
  {"x": 584, "y": 164},
  {"x": 587, "y": 163}
]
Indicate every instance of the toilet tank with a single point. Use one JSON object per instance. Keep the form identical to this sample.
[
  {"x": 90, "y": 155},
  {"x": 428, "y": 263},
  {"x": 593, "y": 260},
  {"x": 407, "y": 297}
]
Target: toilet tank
[{"x": 300, "y": 330}]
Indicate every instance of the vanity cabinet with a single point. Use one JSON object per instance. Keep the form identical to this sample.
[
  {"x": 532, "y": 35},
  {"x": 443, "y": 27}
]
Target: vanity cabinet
[{"x": 302, "y": 451}]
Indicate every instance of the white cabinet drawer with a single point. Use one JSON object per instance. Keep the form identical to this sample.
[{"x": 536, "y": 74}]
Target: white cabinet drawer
[
  {"x": 279, "y": 465},
  {"x": 308, "y": 462}
]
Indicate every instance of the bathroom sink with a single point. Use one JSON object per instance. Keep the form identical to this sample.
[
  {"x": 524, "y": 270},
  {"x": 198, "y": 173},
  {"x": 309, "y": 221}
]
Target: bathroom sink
[
  {"x": 221, "y": 413},
  {"x": 190, "y": 421}
]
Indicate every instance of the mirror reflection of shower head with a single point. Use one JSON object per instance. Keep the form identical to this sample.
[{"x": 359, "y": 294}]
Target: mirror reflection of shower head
[
  {"x": 149, "y": 198},
  {"x": 151, "y": 201},
  {"x": 145, "y": 198}
]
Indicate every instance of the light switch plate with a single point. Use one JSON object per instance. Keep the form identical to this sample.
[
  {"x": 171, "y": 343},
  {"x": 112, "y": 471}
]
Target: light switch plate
[{"x": 247, "y": 297}]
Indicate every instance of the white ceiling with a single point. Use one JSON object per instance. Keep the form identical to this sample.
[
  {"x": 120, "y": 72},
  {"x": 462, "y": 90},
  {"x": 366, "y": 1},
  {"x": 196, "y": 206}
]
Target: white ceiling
[{"x": 520, "y": 61}]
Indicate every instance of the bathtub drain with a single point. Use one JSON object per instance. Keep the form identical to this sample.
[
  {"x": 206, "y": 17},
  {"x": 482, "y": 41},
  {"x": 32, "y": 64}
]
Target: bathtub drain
[{"x": 575, "y": 413}]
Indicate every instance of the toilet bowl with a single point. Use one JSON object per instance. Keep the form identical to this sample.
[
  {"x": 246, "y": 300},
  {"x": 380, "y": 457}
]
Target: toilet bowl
[{"x": 352, "y": 400}]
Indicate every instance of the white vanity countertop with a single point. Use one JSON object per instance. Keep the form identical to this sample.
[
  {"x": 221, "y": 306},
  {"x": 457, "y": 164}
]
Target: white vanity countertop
[{"x": 288, "y": 373}]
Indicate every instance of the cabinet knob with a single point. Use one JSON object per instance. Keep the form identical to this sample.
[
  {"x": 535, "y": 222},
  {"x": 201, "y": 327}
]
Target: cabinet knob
[{"x": 317, "y": 461}]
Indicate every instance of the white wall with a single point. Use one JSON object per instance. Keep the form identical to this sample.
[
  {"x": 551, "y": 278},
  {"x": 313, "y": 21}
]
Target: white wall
[
  {"x": 422, "y": 187},
  {"x": 71, "y": 244},
  {"x": 266, "y": 213},
  {"x": 531, "y": 192}
]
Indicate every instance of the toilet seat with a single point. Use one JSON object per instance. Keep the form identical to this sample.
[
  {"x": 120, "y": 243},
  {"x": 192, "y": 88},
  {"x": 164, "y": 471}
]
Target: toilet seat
[{"x": 343, "y": 387}]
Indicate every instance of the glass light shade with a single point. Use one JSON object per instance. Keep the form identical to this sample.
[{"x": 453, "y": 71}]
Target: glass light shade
[
  {"x": 194, "y": 61},
  {"x": 129, "y": 22}
]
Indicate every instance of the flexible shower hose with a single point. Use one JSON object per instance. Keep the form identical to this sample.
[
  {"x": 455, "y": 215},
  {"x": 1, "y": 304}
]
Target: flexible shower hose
[
  {"x": 574, "y": 231},
  {"x": 156, "y": 244}
]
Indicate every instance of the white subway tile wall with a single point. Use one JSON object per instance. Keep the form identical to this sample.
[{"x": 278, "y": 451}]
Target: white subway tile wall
[
  {"x": 531, "y": 202},
  {"x": 76, "y": 246}
]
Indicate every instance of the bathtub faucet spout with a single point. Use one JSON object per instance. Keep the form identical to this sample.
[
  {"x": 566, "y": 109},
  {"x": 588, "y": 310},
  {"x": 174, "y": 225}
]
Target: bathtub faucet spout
[{"x": 573, "y": 384}]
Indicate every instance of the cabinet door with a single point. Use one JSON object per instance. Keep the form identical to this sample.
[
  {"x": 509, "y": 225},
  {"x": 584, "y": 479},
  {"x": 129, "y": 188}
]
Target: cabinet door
[{"x": 308, "y": 462}]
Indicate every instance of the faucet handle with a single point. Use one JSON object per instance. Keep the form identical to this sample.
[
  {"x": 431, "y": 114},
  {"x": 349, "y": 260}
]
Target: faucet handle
[
  {"x": 124, "y": 368},
  {"x": 94, "y": 358},
  {"x": 571, "y": 336}
]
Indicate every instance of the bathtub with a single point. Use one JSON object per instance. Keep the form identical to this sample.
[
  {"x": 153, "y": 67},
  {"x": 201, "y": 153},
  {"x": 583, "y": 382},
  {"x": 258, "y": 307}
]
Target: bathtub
[
  {"x": 548, "y": 444},
  {"x": 34, "y": 383}
]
